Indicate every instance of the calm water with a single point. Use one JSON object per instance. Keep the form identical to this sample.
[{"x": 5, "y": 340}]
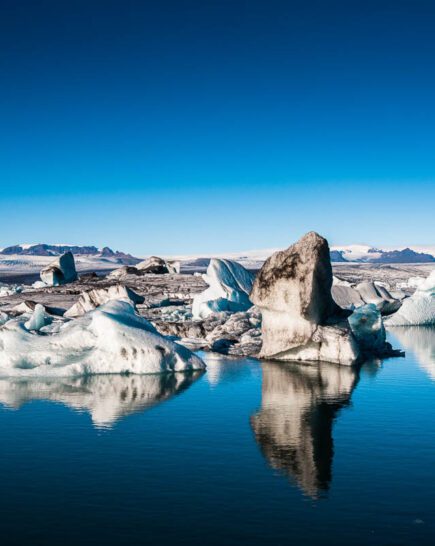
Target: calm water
[{"x": 247, "y": 453}]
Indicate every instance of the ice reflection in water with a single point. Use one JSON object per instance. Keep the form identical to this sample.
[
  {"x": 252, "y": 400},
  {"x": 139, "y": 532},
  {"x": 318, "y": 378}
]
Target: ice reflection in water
[
  {"x": 421, "y": 341},
  {"x": 107, "y": 398},
  {"x": 294, "y": 424},
  {"x": 222, "y": 369}
]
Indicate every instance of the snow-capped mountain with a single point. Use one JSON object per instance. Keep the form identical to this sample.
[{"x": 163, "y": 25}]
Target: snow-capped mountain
[
  {"x": 368, "y": 254},
  {"x": 253, "y": 259},
  {"x": 43, "y": 249}
]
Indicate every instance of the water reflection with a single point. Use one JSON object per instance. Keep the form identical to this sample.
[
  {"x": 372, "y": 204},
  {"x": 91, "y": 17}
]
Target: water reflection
[
  {"x": 224, "y": 369},
  {"x": 294, "y": 424},
  {"x": 421, "y": 341},
  {"x": 107, "y": 398}
]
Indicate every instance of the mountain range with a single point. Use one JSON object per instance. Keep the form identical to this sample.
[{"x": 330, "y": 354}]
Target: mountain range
[
  {"x": 252, "y": 258},
  {"x": 43, "y": 249}
]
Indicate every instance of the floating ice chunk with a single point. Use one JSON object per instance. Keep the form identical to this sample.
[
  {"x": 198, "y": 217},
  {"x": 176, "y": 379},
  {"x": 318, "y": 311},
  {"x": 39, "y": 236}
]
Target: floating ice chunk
[
  {"x": 368, "y": 328},
  {"x": 419, "y": 309},
  {"x": 39, "y": 319},
  {"x": 111, "y": 339},
  {"x": 229, "y": 288}
]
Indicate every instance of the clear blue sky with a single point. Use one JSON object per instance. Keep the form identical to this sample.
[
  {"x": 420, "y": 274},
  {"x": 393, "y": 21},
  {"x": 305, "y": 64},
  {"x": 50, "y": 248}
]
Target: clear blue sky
[{"x": 204, "y": 126}]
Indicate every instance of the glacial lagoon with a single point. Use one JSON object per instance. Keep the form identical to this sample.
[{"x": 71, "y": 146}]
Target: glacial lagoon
[{"x": 248, "y": 452}]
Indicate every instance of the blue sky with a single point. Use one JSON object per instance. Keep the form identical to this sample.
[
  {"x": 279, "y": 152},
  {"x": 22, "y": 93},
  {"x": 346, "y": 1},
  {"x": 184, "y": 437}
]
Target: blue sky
[{"x": 191, "y": 126}]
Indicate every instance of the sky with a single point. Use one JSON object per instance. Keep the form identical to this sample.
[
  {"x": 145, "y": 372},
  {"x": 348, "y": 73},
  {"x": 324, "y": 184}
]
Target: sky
[{"x": 177, "y": 127}]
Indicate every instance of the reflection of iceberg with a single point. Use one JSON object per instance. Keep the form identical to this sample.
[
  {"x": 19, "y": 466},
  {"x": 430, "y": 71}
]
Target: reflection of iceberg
[
  {"x": 294, "y": 424},
  {"x": 421, "y": 341},
  {"x": 107, "y": 398},
  {"x": 223, "y": 369}
]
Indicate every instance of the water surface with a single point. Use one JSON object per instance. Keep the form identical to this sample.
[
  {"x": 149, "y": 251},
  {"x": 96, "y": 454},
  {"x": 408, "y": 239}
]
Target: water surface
[{"x": 246, "y": 453}]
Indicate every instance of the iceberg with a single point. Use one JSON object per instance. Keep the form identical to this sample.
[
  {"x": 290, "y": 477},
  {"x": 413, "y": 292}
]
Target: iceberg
[
  {"x": 419, "y": 309},
  {"x": 109, "y": 340},
  {"x": 229, "y": 288},
  {"x": 346, "y": 296},
  {"x": 60, "y": 271},
  {"x": 300, "y": 319},
  {"x": 39, "y": 319},
  {"x": 351, "y": 297},
  {"x": 158, "y": 266},
  {"x": 96, "y": 297},
  {"x": 368, "y": 328},
  {"x": 9, "y": 290},
  {"x": 379, "y": 296}
]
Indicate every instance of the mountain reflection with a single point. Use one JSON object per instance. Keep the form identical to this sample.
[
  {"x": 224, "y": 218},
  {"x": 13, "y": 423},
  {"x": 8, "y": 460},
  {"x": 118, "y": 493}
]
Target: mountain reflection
[
  {"x": 294, "y": 424},
  {"x": 421, "y": 341},
  {"x": 107, "y": 398}
]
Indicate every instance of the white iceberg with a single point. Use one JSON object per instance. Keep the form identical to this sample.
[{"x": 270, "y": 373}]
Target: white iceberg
[
  {"x": 229, "y": 288},
  {"x": 111, "y": 339},
  {"x": 39, "y": 319},
  {"x": 61, "y": 271},
  {"x": 419, "y": 309}
]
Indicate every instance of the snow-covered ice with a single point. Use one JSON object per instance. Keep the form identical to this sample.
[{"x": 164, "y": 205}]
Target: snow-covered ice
[
  {"x": 111, "y": 339},
  {"x": 419, "y": 309},
  {"x": 229, "y": 288}
]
